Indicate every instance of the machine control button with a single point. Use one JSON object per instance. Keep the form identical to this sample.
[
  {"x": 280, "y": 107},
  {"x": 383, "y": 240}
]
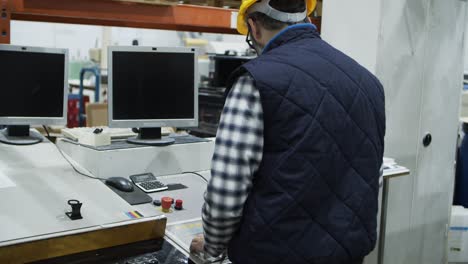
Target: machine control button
[
  {"x": 157, "y": 202},
  {"x": 172, "y": 200},
  {"x": 178, "y": 205},
  {"x": 166, "y": 204}
]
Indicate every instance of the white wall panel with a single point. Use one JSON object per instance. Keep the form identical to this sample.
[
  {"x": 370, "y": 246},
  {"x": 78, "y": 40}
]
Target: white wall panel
[
  {"x": 443, "y": 69},
  {"x": 352, "y": 27},
  {"x": 401, "y": 70},
  {"x": 419, "y": 59}
]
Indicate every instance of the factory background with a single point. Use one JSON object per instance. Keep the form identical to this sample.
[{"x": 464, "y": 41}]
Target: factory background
[{"x": 417, "y": 48}]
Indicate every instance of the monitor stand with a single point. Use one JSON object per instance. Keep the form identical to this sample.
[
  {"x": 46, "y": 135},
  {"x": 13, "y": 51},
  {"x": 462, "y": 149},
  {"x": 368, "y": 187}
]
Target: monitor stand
[
  {"x": 20, "y": 135},
  {"x": 151, "y": 137}
]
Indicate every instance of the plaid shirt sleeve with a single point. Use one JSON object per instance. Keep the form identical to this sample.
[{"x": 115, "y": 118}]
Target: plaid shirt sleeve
[{"x": 237, "y": 156}]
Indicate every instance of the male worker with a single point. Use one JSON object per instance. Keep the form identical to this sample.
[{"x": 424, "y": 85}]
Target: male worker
[{"x": 295, "y": 171}]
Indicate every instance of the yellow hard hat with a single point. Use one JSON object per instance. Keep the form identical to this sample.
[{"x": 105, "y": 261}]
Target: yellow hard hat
[{"x": 246, "y": 4}]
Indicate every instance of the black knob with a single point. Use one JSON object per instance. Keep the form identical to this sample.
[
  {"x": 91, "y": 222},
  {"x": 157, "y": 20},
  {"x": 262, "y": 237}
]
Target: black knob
[
  {"x": 427, "y": 140},
  {"x": 157, "y": 202},
  {"x": 75, "y": 213}
]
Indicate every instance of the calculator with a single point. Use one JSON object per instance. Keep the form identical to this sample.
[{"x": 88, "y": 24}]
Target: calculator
[{"x": 147, "y": 182}]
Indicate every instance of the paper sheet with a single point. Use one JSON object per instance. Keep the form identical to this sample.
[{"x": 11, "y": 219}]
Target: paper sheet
[
  {"x": 183, "y": 232},
  {"x": 392, "y": 168},
  {"x": 234, "y": 19}
]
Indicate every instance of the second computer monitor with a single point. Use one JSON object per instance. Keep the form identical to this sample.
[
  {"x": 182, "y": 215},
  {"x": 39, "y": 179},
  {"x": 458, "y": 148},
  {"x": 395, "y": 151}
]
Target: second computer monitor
[
  {"x": 34, "y": 87},
  {"x": 150, "y": 88}
]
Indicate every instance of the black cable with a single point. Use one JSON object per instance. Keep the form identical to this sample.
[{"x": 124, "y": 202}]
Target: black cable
[
  {"x": 74, "y": 168},
  {"x": 201, "y": 176},
  {"x": 47, "y": 131}
]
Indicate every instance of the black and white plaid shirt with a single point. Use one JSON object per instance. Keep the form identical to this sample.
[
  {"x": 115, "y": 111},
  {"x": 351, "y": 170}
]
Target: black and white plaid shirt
[{"x": 237, "y": 156}]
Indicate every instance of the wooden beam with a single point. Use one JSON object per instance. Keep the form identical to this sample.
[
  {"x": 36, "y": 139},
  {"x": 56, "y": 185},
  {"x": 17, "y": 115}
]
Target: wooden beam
[
  {"x": 5, "y": 16},
  {"x": 72, "y": 244},
  {"x": 125, "y": 14}
]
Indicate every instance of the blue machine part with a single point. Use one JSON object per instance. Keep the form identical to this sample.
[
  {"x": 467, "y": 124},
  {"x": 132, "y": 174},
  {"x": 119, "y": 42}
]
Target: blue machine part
[{"x": 97, "y": 74}]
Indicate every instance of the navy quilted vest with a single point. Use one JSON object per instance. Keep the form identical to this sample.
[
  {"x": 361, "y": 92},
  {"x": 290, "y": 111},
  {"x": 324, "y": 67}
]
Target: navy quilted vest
[{"x": 314, "y": 197}]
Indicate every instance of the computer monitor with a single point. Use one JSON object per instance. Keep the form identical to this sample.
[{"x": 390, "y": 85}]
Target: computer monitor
[
  {"x": 150, "y": 88},
  {"x": 34, "y": 91},
  {"x": 224, "y": 66}
]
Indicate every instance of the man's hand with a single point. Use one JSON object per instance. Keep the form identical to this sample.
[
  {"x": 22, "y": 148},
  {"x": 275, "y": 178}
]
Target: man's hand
[{"x": 197, "y": 244}]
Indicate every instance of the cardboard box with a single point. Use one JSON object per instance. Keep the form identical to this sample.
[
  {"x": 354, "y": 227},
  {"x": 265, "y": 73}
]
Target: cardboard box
[{"x": 96, "y": 115}]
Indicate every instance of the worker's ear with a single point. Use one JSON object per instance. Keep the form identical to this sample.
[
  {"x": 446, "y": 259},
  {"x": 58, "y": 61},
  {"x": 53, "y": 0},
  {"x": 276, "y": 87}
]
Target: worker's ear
[{"x": 256, "y": 31}]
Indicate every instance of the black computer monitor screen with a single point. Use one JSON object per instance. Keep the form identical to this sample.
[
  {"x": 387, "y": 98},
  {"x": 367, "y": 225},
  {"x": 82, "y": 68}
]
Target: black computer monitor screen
[
  {"x": 32, "y": 84},
  {"x": 153, "y": 85},
  {"x": 224, "y": 67}
]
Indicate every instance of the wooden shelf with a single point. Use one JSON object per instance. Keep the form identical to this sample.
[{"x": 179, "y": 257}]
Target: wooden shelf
[
  {"x": 125, "y": 14},
  {"x": 120, "y": 14}
]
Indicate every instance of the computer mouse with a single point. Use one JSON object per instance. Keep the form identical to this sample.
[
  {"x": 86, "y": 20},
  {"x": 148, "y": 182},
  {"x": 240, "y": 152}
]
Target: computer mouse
[{"x": 120, "y": 183}]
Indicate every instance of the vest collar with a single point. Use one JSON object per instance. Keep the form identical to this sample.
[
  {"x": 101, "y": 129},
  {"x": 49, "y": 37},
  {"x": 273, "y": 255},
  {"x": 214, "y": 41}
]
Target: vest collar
[{"x": 290, "y": 33}]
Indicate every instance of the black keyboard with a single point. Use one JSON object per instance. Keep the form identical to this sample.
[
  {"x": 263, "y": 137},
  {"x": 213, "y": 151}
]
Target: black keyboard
[{"x": 188, "y": 139}]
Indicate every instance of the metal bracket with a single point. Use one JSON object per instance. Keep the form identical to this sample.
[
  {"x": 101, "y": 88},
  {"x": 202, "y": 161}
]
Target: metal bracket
[{"x": 5, "y": 17}]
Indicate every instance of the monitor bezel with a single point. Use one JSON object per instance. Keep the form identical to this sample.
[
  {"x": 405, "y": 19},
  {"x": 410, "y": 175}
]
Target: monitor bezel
[
  {"x": 30, "y": 120},
  {"x": 146, "y": 123}
]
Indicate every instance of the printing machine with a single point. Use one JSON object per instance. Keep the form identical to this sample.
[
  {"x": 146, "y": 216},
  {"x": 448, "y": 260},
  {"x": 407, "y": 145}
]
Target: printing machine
[{"x": 37, "y": 182}]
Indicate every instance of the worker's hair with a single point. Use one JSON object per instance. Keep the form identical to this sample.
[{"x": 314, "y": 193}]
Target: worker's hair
[{"x": 289, "y": 6}]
